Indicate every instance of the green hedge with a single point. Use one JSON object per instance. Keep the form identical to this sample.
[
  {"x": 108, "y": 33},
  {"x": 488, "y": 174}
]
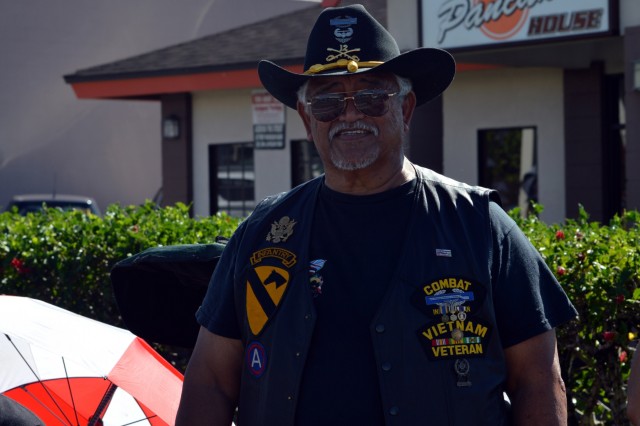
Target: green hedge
[
  {"x": 599, "y": 268},
  {"x": 65, "y": 258}
]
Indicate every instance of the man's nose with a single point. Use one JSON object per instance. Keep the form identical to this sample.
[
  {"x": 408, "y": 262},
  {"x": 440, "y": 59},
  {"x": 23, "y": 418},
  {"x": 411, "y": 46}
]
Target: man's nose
[{"x": 350, "y": 112}]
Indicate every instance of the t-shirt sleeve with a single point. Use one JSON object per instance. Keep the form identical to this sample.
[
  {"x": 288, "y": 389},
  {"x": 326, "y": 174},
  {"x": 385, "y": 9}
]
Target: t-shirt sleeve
[
  {"x": 527, "y": 297},
  {"x": 217, "y": 312}
]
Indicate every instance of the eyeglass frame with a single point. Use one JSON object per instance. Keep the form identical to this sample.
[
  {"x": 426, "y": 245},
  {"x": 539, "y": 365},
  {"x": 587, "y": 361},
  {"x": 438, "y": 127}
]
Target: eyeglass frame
[{"x": 344, "y": 99}]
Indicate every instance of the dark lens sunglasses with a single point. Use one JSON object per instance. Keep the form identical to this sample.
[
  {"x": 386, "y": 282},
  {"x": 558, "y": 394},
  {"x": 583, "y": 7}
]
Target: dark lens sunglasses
[{"x": 371, "y": 102}]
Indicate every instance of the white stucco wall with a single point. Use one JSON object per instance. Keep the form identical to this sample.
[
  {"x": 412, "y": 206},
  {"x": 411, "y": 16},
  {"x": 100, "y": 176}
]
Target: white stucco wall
[
  {"x": 476, "y": 100},
  {"x": 629, "y": 14},
  {"x": 402, "y": 23},
  {"x": 225, "y": 117},
  {"x": 111, "y": 150},
  {"x": 503, "y": 98}
]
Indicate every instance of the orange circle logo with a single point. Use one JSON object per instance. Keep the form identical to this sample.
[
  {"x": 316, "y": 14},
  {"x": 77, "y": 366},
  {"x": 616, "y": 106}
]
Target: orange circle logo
[{"x": 505, "y": 26}]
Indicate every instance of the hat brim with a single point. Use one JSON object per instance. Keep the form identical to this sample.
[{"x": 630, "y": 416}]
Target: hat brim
[{"x": 430, "y": 71}]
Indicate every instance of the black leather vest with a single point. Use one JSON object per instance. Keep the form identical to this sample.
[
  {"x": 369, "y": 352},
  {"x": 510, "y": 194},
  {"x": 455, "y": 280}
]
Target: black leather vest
[{"x": 435, "y": 339}]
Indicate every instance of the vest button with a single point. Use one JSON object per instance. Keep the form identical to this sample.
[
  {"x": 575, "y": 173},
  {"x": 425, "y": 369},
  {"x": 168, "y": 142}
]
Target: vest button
[
  {"x": 394, "y": 410},
  {"x": 307, "y": 316},
  {"x": 380, "y": 328},
  {"x": 386, "y": 366}
]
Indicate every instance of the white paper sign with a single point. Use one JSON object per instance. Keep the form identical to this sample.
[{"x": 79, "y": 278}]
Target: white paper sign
[
  {"x": 268, "y": 120},
  {"x": 266, "y": 109}
]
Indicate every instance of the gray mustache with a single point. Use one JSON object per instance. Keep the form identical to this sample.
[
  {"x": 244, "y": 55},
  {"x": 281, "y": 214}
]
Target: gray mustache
[{"x": 356, "y": 125}]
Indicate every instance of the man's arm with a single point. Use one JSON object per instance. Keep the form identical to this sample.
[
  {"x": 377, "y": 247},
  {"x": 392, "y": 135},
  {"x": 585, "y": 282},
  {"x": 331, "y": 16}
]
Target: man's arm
[
  {"x": 633, "y": 390},
  {"x": 534, "y": 383},
  {"x": 212, "y": 381}
]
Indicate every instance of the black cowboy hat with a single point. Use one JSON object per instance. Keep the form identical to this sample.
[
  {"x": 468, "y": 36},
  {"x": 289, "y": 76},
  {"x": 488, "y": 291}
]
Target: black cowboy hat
[{"x": 346, "y": 40}]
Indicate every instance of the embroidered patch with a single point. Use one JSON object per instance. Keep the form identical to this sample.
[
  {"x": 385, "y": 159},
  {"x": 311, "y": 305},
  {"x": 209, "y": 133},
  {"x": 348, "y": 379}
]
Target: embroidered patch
[
  {"x": 288, "y": 258},
  {"x": 315, "y": 279},
  {"x": 454, "y": 333},
  {"x": 443, "y": 252},
  {"x": 281, "y": 230},
  {"x": 343, "y": 31},
  {"x": 462, "y": 368},
  {"x": 455, "y": 339},
  {"x": 256, "y": 359},
  {"x": 265, "y": 287},
  {"x": 449, "y": 299}
]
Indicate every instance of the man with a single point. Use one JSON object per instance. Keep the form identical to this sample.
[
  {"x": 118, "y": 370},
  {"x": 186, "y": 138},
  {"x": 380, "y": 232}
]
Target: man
[
  {"x": 12, "y": 413},
  {"x": 633, "y": 390},
  {"x": 380, "y": 293}
]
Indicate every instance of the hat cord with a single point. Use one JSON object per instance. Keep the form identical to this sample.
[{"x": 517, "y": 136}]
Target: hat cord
[{"x": 351, "y": 66}]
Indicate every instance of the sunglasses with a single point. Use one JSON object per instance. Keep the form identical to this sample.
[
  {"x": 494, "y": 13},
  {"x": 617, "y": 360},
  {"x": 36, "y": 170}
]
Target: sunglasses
[{"x": 371, "y": 102}]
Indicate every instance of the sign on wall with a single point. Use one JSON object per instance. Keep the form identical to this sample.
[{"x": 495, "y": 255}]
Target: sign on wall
[
  {"x": 469, "y": 23},
  {"x": 268, "y": 120}
]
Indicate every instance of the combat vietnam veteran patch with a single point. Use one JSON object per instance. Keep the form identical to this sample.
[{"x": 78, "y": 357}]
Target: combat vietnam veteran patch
[
  {"x": 454, "y": 331},
  {"x": 449, "y": 298},
  {"x": 455, "y": 339}
]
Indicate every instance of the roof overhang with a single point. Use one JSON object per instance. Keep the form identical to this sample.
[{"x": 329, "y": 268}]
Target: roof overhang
[{"x": 154, "y": 86}]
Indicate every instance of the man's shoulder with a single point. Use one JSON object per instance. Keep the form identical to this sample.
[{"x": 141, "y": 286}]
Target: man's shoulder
[
  {"x": 438, "y": 179},
  {"x": 272, "y": 202}
]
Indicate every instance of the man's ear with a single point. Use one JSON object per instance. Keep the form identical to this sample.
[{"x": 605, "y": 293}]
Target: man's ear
[
  {"x": 408, "y": 107},
  {"x": 306, "y": 120}
]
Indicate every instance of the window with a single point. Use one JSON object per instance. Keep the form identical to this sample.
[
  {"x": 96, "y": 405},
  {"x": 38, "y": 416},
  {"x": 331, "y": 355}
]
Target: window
[
  {"x": 305, "y": 162},
  {"x": 508, "y": 164},
  {"x": 231, "y": 179}
]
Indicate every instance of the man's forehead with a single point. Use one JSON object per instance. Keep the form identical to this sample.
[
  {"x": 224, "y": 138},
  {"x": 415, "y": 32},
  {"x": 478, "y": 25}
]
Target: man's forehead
[{"x": 373, "y": 79}]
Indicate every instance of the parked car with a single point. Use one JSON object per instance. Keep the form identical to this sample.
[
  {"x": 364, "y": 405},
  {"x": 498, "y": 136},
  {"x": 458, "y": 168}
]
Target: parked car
[{"x": 28, "y": 203}]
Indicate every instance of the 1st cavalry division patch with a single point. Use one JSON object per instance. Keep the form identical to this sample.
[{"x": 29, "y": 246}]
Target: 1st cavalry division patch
[
  {"x": 265, "y": 287},
  {"x": 266, "y": 284}
]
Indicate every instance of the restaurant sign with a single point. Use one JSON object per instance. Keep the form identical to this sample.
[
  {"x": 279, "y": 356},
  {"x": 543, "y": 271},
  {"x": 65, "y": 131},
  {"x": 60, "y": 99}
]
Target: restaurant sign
[{"x": 462, "y": 24}]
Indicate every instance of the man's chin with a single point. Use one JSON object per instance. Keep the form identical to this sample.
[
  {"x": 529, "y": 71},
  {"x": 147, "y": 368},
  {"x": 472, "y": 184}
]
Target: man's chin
[{"x": 352, "y": 165}]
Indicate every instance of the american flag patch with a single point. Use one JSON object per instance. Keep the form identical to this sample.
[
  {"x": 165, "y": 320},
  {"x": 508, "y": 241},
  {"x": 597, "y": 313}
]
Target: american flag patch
[{"x": 443, "y": 252}]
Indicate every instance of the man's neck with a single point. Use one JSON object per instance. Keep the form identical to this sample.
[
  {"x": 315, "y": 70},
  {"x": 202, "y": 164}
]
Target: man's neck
[{"x": 370, "y": 180}]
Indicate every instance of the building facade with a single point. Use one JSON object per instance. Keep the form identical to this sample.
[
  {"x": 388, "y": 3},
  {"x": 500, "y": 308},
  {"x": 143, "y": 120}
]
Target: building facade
[{"x": 545, "y": 105}]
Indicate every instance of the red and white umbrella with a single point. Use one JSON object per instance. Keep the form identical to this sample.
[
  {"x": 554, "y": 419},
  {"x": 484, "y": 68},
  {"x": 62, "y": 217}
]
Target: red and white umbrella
[{"x": 72, "y": 370}]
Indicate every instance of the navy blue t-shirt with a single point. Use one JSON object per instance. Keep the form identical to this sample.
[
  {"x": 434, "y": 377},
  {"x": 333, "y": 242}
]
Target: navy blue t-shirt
[
  {"x": 355, "y": 248},
  {"x": 354, "y": 251}
]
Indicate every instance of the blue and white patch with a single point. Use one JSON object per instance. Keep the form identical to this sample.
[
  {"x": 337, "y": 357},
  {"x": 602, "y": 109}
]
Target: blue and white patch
[
  {"x": 315, "y": 279},
  {"x": 449, "y": 298},
  {"x": 256, "y": 359},
  {"x": 443, "y": 252},
  {"x": 343, "y": 31}
]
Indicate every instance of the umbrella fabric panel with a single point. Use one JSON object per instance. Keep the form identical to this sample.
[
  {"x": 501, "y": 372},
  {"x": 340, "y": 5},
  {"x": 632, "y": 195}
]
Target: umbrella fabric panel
[
  {"x": 122, "y": 410},
  {"x": 23, "y": 362},
  {"x": 15, "y": 355},
  {"x": 62, "y": 383},
  {"x": 94, "y": 345},
  {"x": 144, "y": 373},
  {"x": 59, "y": 401}
]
